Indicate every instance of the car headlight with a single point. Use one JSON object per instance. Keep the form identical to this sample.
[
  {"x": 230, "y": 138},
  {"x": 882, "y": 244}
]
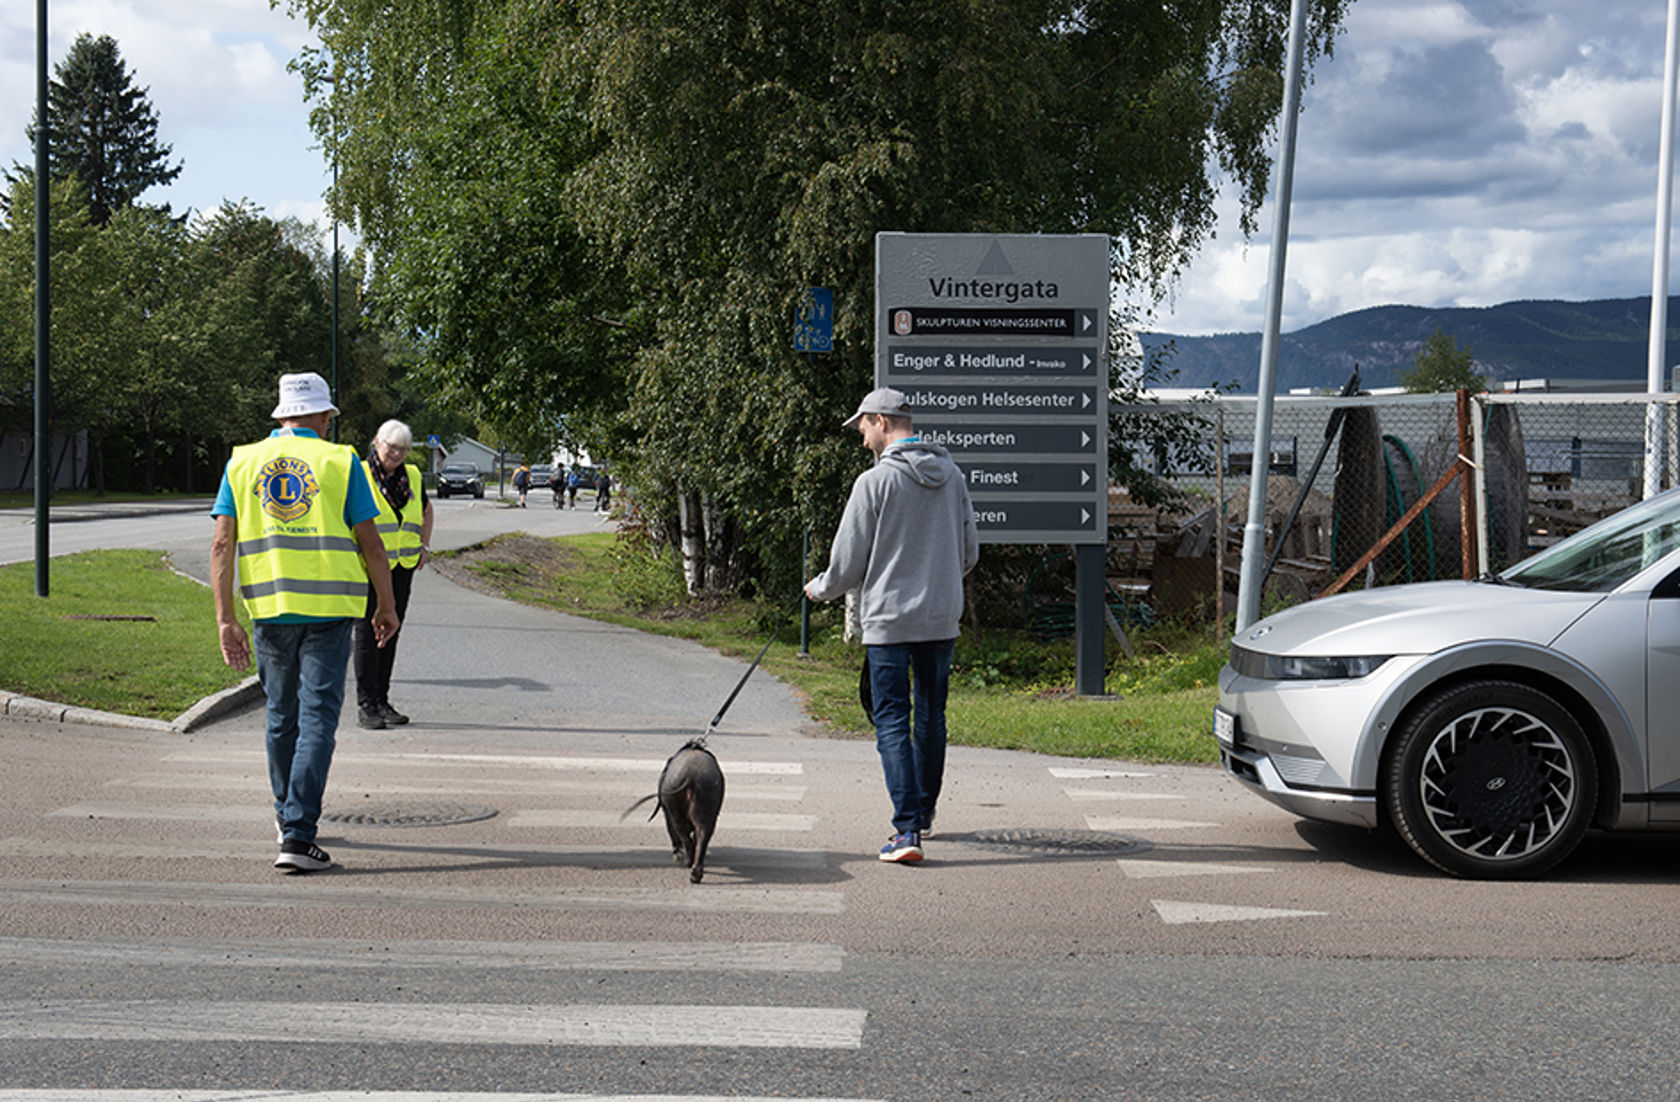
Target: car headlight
[{"x": 1278, "y": 667}]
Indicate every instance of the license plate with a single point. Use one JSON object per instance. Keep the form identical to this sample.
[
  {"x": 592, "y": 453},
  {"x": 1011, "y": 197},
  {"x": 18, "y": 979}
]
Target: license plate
[{"x": 1225, "y": 728}]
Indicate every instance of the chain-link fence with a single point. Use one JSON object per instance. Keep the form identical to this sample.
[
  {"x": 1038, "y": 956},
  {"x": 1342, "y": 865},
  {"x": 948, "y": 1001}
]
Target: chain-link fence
[{"x": 1345, "y": 470}]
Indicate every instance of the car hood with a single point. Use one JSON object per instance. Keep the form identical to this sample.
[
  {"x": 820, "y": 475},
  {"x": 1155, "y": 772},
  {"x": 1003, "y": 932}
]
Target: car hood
[{"x": 1416, "y": 619}]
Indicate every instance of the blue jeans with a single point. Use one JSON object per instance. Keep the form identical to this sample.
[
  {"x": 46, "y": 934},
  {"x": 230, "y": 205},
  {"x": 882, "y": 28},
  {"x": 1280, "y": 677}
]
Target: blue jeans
[
  {"x": 302, "y": 668},
  {"x": 909, "y": 682}
]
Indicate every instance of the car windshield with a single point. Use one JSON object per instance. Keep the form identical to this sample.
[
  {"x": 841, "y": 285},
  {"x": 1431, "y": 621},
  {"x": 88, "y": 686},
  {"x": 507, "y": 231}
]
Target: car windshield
[
  {"x": 456, "y": 468},
  {"x": 1602, "y": 557}
]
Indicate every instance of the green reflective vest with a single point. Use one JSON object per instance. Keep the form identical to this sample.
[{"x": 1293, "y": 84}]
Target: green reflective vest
[
  {"x": 399, "y": 532},
  {"x": 296, "y": 555}
]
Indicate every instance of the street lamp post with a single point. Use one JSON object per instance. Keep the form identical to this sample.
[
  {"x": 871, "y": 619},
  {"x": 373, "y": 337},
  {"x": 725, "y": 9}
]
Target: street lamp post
[
  {"x": 332, "y": 206},
  {"x": 43, "y": 310}
]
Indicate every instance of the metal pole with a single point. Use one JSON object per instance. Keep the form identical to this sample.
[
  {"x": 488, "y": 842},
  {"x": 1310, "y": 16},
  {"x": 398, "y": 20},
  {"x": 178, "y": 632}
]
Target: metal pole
[
  {"x": 804, "y": 601},
  {"x": 1254, "y": 532},
  {"x": 43, "y": 308},
  {"x": 1658, "y": 347},
  {"x": 337, "y": 400}
]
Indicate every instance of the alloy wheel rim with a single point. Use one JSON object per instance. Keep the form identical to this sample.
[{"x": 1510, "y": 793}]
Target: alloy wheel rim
[{"x": 1497, "y": 784}]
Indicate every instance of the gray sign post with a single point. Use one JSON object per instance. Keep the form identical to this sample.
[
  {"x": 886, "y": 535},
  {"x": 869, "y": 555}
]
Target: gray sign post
[{"x": 1001, "y": 344}]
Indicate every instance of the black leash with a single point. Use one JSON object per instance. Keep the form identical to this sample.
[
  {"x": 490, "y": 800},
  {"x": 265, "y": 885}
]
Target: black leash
[{"x": 739, "y": 684}]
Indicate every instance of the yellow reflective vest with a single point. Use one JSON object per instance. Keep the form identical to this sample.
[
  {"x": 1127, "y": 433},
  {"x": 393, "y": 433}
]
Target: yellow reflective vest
[
  {"x": 296, "y": 555},
  {"x": 399, "y": 532}
]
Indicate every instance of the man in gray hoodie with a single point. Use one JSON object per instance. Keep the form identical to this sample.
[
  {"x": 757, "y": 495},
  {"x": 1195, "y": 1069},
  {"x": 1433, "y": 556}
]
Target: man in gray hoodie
[{"x": 905, "y": 541}]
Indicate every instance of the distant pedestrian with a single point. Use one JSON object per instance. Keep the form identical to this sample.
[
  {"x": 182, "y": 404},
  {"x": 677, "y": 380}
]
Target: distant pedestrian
[
  {"x": 572, "y": 488},
  {"x": 906, "y": 539},
  {"x": 295, "y": 522},
  {"x": 557, "y": 485},
  {"x": 522, "y": 482},
  {"x": 603, "y": 493}
]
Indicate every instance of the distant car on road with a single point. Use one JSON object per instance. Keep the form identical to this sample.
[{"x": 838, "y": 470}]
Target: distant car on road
[
  {"x": 542, "y": 475},
  {"x": 460, "y": 478},
  {"x": 1490, "y": 723}
]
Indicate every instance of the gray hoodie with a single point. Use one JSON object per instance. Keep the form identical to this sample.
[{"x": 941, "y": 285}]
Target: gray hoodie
[{"x": 907, "y": 537}]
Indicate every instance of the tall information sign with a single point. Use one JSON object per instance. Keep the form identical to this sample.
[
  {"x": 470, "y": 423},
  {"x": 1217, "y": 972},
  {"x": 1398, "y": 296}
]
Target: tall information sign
[{"x": 1001, "y": 343}]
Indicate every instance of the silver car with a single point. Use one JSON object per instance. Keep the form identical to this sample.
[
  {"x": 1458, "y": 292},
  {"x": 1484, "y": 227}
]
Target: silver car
[{"x": 1491, "y": 723}]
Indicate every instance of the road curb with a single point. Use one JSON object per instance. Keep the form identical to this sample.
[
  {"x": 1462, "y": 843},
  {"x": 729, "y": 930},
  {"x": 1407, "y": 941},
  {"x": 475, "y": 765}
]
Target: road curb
[{"x": 211, "y": 708}]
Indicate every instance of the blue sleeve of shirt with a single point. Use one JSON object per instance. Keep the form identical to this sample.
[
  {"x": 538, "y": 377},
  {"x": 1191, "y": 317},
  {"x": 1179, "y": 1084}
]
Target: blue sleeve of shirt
[
  {"x": 224, "y": 506},
  {"x": 358, "y": 502}
]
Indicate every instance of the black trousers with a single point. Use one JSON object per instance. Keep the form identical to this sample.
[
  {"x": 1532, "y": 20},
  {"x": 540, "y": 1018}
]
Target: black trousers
[{"x": 373, "y": 663}]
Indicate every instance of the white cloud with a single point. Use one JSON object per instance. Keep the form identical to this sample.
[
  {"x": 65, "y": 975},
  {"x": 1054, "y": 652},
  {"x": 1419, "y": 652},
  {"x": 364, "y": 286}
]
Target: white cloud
[
  {"x": 216, "y": 74},
  {"x": 1459, "y": 154}
]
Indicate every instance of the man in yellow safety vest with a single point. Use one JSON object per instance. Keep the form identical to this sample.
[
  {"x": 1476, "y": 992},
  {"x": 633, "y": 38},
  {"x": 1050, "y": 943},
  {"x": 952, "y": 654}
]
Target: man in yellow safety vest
[{"x": 295, "y": 517}]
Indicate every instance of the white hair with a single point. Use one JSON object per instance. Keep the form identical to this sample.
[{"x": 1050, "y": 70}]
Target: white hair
[{"x": 396, "y": 434}]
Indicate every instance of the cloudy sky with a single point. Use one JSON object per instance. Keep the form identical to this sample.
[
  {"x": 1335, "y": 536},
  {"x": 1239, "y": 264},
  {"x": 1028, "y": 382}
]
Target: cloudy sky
[
  {"x": 1451, "y": 153},
  {"x": 218, "y": 80}
]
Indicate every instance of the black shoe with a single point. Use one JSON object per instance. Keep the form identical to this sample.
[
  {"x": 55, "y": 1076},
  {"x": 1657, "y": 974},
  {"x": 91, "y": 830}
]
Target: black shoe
[
  {"x": 302, "y": 856},
  {"x": 391, "y": 715},
  {"x": 373, "y": 720}
]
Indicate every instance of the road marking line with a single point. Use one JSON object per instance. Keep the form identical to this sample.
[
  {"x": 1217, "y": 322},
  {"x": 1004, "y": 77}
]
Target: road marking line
[
  {"x": 342, "y": 759},
  {"x": 1105, "y": 794},
  {"x": 620, "y": 956},
  {"x": 1067, "y": 774},
  {"x": 1125, "y": 823},
  {"x": 784, "y": 793},
  {"x": 455, "y": 1023},
  {"x": 320, "y": 891},
  {"x": 398, "y": 846},
  {"x": 727, "y": 820},
  {"x": 1175, "y": 914},
  {"x": 1140, "y": 869},
  {"x": 247, "y": 1095},
  {"x": 252, "y": 812}
]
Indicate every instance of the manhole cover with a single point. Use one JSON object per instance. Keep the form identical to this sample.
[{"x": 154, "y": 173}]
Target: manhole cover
[
  {"x": 1066, "y": 842},
  {"x": 410, "y": 815}
]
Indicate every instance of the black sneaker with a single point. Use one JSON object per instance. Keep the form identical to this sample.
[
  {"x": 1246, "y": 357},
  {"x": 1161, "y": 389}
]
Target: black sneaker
[
  {"x": 391, "y": 715},
  {"x": 302, "y": 856},
  {"x": 372, "y": 720}
]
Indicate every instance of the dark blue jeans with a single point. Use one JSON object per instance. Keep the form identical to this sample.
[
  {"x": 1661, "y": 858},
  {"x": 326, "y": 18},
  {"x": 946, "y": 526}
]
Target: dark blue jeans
[
  {"x": 909, "y": 682},
  {"x": 302, "y": 668}
]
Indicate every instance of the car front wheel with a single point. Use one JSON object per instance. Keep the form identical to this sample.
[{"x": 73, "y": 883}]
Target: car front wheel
[{"x": 1491, "y": 779}]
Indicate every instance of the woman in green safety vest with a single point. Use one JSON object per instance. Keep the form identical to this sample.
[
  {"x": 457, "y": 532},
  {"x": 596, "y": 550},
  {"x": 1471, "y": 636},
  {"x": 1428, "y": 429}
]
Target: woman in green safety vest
[{"x": 405, "y": 527}]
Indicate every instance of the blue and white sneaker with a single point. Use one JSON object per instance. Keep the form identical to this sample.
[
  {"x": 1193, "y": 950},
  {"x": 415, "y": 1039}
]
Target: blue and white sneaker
[{"x": 903, "y": 848}]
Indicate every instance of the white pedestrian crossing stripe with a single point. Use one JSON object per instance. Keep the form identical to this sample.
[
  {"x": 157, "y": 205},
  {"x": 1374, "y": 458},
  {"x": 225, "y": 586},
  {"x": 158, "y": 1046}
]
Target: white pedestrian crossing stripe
[
  {"x": 246, "y": 1095},
  {"x": 476, "y": 956},
  {"x": 1139, "y": 823},
  {"x": 1141, "y": 869},
  {"x": 727, "y": 820},
  {"x": 323, "y": 893},
  {"x": 1070, "y": 774},
  {"x": 411, "y": 1023},
  {"x": 1176, "y": 913}
]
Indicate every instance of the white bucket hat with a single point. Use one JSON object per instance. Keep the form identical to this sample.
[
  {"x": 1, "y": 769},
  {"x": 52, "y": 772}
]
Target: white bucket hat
[{"x": 303, "y": 394}]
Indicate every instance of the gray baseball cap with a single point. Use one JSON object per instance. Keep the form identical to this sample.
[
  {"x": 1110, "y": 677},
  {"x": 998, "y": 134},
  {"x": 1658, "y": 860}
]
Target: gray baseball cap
[{"x": 881, "y": 400}]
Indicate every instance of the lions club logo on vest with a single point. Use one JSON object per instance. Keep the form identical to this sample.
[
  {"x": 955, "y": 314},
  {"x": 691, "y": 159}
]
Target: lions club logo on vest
[{"x": 287, "y": 486}]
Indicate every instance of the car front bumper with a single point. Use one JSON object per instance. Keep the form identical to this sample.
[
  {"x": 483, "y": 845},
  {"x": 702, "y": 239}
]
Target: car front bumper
[{"x": 1311, "y": 747}]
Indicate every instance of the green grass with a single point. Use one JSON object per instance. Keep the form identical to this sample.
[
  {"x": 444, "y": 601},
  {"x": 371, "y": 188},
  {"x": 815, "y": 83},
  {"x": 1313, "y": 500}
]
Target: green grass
[
  {"x": 157, "y": 667},
  {"x": 1008, "y": 690},
  {"x": 25, "y": 499}
]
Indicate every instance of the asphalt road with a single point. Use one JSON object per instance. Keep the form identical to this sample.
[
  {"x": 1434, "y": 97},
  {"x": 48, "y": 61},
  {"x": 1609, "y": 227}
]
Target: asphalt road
[{"x": 1080, "y": 929}]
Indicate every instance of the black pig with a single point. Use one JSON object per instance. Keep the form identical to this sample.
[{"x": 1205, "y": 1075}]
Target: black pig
[{"x": 691, "y": 795}]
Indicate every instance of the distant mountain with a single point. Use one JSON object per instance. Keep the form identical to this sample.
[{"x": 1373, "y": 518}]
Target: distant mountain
[{"x": 1603, "y": 340}]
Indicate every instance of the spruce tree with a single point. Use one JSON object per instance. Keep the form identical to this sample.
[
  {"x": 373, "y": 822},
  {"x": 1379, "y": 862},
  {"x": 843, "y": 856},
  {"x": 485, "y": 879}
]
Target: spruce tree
[{"x": 103, "y": 129}]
